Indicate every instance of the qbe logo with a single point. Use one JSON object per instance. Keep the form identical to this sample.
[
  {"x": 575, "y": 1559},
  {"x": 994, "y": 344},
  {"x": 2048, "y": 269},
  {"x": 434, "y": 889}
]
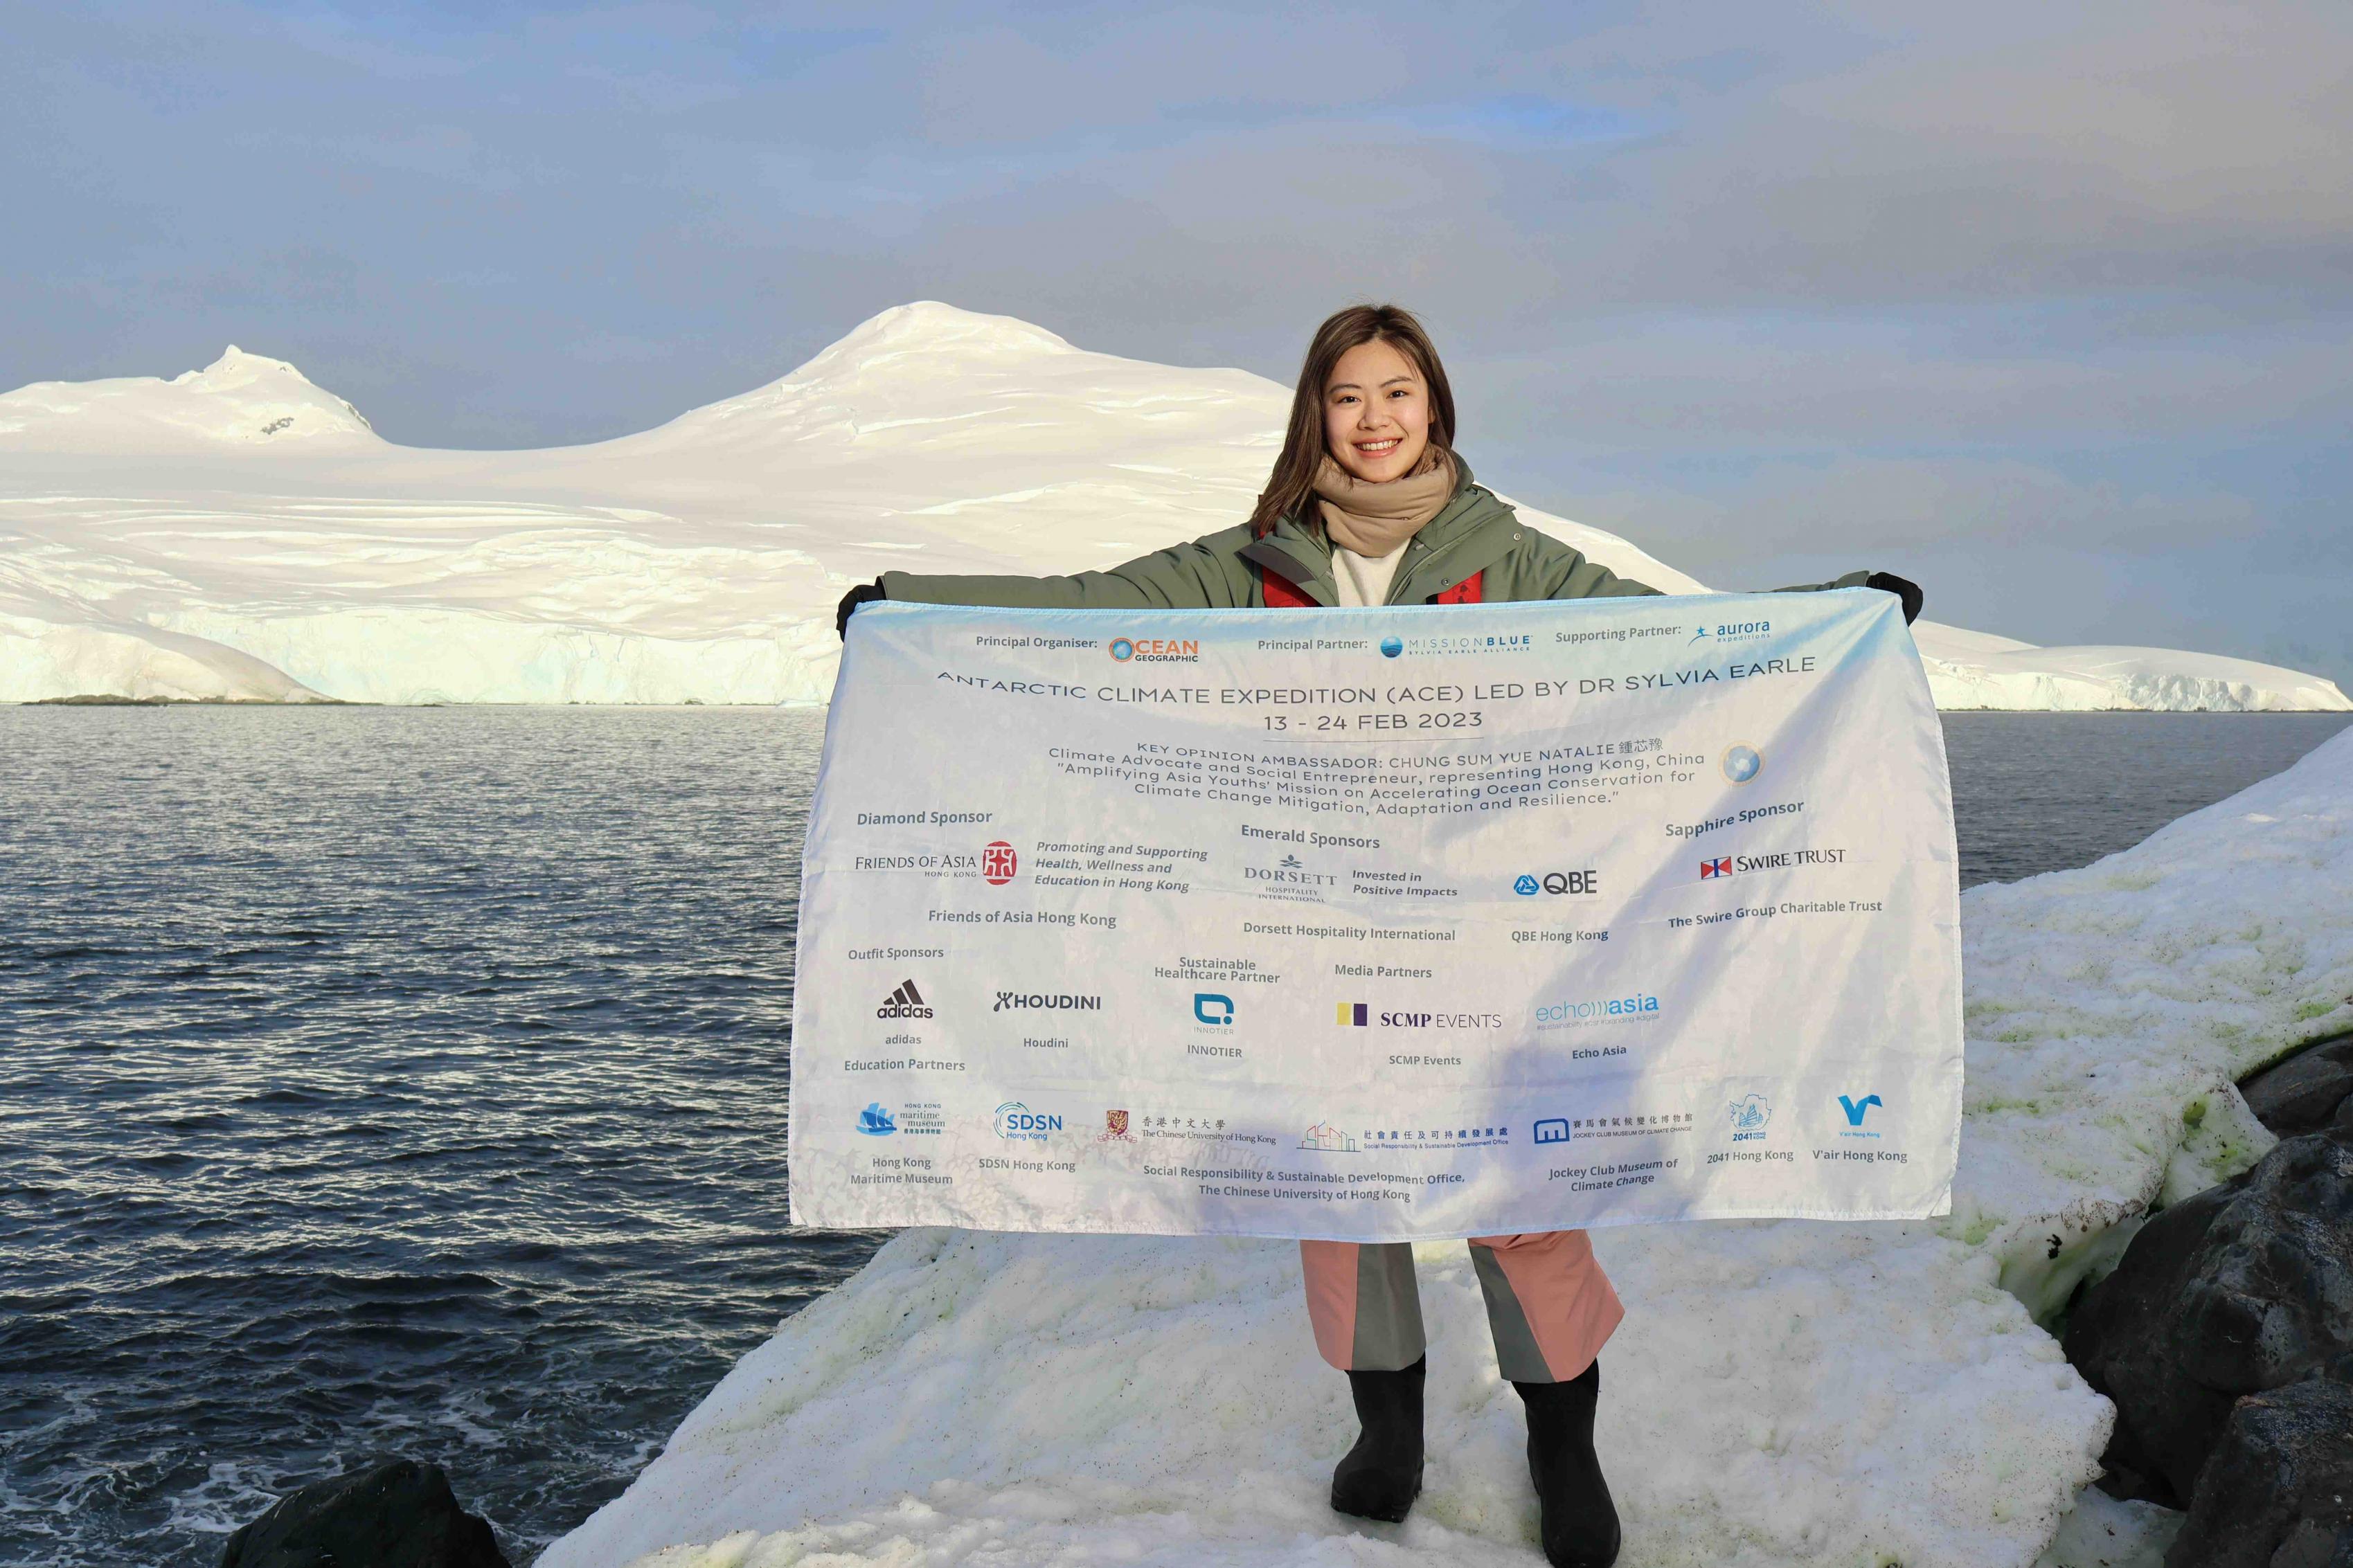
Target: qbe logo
[{"x": 999, "y": 863}]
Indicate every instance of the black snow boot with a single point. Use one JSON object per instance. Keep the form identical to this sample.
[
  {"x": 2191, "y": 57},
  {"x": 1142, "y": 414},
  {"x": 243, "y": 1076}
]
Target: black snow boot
[
  {"x": 1580, "y": 1523},
  {"x": 1381, "y": 1475}
]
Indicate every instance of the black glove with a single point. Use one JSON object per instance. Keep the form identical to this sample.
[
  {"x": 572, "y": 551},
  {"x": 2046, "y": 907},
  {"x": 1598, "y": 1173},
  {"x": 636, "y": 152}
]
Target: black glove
[
  {"x": 1903, "y": 588},
  {"x": 868, "y": 593}
]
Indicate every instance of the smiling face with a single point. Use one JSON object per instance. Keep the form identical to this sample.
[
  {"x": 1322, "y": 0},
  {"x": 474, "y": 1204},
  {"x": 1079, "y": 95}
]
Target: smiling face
[{"x": 1375, "y": 414}]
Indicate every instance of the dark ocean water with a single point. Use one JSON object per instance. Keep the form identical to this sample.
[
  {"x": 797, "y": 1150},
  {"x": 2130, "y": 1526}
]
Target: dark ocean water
[{"x": 381, "y": 1079}]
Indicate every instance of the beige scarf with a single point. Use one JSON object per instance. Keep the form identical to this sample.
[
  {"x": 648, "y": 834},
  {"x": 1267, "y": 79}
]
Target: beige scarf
[{"x": 1374, "y": 519}]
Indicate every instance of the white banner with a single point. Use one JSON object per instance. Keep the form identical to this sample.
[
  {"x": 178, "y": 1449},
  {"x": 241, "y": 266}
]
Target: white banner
[{"x": 1378, "y": 925}]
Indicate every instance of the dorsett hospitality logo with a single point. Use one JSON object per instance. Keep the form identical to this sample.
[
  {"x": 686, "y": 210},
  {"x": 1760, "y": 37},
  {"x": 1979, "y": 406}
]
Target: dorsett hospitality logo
[
  {"x": 999, "y": 863},
  {"x": 1325, "y": 1139},
  {"x": 1749, "y": 1115},
  {"x": 904, "y": 1003},
  {"x": 1155, "y": 650}
]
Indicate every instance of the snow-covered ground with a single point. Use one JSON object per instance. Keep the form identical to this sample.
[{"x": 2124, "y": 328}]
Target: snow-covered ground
[
  {"x": 1781, "y": 1393},
  {"x": 239, "y": 533}
]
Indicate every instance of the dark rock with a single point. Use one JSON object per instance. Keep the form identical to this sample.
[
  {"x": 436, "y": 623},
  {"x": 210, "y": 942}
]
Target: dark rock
[
  {"x": 398, "y": 1514},
  {"x": 2303, "y": 1093},
  {"x": 2246, "y": 1287},
  {"x": 2278, "y": 1492}
]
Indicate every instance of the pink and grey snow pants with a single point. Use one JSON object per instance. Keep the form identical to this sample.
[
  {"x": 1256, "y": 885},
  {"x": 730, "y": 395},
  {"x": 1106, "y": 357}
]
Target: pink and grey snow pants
[{"x": 1548, "y": 1304}]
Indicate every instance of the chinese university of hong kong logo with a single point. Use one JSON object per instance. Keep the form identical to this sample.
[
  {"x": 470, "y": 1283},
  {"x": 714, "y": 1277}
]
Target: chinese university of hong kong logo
[
  {"x": 1114, "y": 1128},
  {"x": 999, "y": 864}
]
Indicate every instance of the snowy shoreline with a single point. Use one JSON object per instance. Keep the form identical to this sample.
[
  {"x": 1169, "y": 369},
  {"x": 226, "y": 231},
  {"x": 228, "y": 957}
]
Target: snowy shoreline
[
  {"x": 240, "y": 533},
  {"x": 1782, "y": 1392}
]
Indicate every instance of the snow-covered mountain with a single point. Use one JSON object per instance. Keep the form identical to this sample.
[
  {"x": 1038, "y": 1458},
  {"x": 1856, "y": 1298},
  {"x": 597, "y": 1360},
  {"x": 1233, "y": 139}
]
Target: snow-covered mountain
[{"x": 239, "y": 533}]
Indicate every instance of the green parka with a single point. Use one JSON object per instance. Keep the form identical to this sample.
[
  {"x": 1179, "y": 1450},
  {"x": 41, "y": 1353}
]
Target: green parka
[{"x": 1474, "y": 533}]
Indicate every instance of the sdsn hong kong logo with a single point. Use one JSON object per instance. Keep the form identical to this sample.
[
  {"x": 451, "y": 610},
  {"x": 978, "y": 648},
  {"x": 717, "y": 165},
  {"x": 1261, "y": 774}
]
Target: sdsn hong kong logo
[
  {"x": 1155, "y": 650},
  {"x": 1017, "y": 1122}
]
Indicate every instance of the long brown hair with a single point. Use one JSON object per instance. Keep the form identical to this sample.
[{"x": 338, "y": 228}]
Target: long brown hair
[{"x": 1293, "y": 479}]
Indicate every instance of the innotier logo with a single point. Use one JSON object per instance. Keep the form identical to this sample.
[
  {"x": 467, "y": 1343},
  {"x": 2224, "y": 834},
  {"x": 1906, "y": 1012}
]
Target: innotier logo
[
  {"x": 1209, "y": 1008},
  {"x": 904, "y": 1003}
]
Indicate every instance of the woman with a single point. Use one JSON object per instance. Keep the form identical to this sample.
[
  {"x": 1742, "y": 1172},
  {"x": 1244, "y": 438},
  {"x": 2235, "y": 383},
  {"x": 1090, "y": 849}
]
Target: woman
[{"x": 1370, "y": 504}]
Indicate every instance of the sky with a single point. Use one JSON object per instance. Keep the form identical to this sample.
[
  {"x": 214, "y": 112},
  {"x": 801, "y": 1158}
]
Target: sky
[{"x": 2049, "y": 308}]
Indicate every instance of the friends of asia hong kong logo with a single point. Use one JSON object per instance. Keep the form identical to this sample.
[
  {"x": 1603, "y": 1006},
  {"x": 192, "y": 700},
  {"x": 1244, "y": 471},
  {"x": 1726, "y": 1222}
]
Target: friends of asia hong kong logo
[
  {"x": 1020, "y": 1124},
  {"x": 999, "y": 864},
  {"x": 1156, "y": 650}
]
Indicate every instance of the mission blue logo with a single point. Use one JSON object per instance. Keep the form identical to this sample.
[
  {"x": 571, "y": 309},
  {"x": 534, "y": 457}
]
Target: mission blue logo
[
  {"x": 1526, "y": 887},
  {"x": 1212, "y": 1008},
  {"x": 876, "y": 1122},
  {"x": 1551, "y": 1130},
  {"x": 1392, "y": 646},
  {"x": 1742, "y": 764}
]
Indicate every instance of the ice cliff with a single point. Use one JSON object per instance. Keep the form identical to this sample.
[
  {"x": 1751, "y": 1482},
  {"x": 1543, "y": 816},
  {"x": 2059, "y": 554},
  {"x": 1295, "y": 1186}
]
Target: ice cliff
[
  {"x": 1782, "y": 1392},
  {"x": 239, "y": 533}
]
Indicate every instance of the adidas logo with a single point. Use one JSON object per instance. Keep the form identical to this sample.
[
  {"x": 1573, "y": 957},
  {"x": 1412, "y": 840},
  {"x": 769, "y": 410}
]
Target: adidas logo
[{"x": 904, "y": 1003}]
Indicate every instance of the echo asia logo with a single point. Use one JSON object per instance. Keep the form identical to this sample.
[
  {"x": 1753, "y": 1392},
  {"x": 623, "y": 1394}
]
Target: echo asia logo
[
  {"x": 1742, "y": 764},
  {"x": 1582, "y": 884},
  {"x": 1856, "y": 1110},
  {"x": 999, "y": 863},
  {"x": 1749, "y": 1115},
  {"x": 1634, "y": 1005},
  {"x": 1015, "y": 1123},
  {"x": 1155, "y": 650}
]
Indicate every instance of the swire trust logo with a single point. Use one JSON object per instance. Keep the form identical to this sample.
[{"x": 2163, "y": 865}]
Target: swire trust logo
[{"x": 1711, "y": 870}]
